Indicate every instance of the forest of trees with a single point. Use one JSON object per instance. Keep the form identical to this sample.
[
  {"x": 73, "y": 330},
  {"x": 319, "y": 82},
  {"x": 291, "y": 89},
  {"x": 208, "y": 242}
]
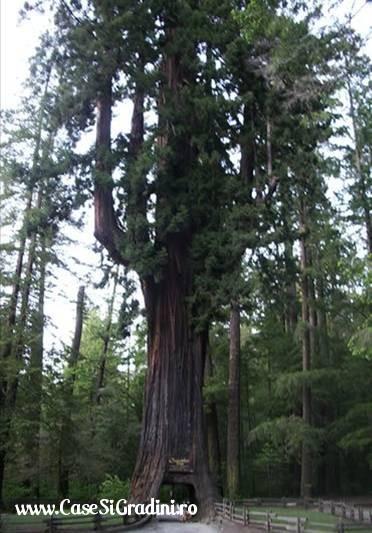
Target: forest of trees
[{"x": 233, "y": 226}]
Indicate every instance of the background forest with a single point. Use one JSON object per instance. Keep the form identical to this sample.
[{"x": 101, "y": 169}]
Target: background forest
[{"x": 279, "y": 110}]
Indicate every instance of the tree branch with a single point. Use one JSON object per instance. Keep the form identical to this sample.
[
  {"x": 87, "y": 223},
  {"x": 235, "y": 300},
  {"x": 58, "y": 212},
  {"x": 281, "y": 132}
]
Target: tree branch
[
  {"x": 136, "y": 184},
  {"x": 106, "y": 229}
]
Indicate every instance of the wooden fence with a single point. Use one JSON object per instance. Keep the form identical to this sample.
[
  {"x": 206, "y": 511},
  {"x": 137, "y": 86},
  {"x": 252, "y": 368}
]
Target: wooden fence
[
  {"x": 347, "y": 511},
  {"x": 306, "y": 503},
  {"x": 71, "y": 524},
  {"x": 242, "y": 513},
  {"x": 350, "y": 517}
]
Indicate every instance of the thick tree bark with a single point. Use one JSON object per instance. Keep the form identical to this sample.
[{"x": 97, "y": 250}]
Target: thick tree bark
[
  {"x": 306, "y": 473},
  {"x": 173, "y": 446},
  {"x": 66, "y": 449},
  {"x": 233, "y": 408},
  {"x": 106, "y": 229}
]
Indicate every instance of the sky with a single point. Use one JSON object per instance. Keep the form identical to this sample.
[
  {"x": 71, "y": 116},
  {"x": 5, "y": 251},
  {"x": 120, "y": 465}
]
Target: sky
[{"x": 18, "y": 41}]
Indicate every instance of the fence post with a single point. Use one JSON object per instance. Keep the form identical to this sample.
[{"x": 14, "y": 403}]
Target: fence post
[
  {"x": 321, "y": 508},
  {"x": 224, "y": 507},
  {"x": 97, "y": 519},
  {"x": 333, "y": 508},
  {"x": 268, "y": 522},
  {"x": 231, "y": 510},
  {"x": 51, "y": 524},
  {"x": 298, "y": 525},
  {"x": 341, "y": 527},
  {"x": 360, "y": 514}
]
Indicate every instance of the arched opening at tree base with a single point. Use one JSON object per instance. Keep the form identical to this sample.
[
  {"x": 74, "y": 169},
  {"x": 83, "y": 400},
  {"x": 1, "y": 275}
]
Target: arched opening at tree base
[
  {"x": 184, "y": 487},
  {"x": 178, "y": 492},
  {"x": 190, "y": 488}
]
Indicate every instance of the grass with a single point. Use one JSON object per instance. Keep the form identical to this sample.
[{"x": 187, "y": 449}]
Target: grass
[{"x": 311, "y": 514}]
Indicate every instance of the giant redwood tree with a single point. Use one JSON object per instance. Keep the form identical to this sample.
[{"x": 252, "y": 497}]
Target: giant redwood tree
[
  {"x": 163, "y": 194},
  {"x": 170, "y": 202}
]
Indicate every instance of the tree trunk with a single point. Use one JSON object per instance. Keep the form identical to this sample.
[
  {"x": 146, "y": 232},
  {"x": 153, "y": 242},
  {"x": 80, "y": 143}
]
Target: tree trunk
[
  {"x": 10, "y": 380},
  {"x": 18, "y": 345},
  {"x": 313, "y": 321},
  {"x": 211, "y": 419},
  {"x": 233, "y": 408},
  {"x": 322, "y": 324},
  {"x": 290, "y": 309},
  {"x": 36, "y": 378},
  {"x": 173, "y": 447},
  {"x": 363, "y": 188},
  {"x": 8, "y": 333},
  {"x": 106, "y": 342},
  {"x": 66, "y": 446},
  {"x": 6, "y": 349},
  {"x": 306, "y": 360}
]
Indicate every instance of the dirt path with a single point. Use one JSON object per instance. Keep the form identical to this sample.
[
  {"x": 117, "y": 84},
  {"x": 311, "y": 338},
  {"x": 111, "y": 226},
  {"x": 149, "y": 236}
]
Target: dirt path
[
  {"x": 180, "y": 527},
  {"x": 196, "y": 527}
]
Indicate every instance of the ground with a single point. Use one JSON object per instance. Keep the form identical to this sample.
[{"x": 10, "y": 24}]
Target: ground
[
  {"x": 195, "y": 527},
  {"x": 179, "y": 527}
]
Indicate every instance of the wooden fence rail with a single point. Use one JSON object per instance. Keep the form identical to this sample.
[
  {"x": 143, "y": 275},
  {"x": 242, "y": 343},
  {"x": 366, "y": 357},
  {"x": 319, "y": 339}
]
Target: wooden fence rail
[
  {"x": 347, "y": 511},
  {"x": 241, "y": 512},
  {"x": 350, "y": 511},
  {"x": 72, "y": 524}
]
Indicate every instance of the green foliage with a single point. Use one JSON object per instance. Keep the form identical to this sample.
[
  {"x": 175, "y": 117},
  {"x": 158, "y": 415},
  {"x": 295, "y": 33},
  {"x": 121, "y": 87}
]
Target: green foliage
[
  {"x": 82, "y": 491},
  {"x": 361, "y": 342},
  {"x": 286, "y": 435},
  {"x": 355, "y": 428},
  {"x": 292, "y": 383},
  {"x": 113, "y": 488},
  {"x": 257, "y": 85}
]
